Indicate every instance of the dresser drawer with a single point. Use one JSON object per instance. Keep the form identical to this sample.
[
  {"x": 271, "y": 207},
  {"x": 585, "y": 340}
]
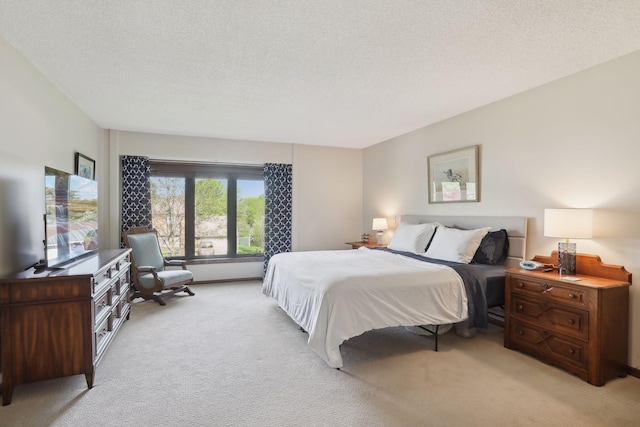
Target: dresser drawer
[
  {"x": 121, "y": 286},
  {"x": 101, "y": 306},
  {"x": 118, "y": 309},
  {"x": 551, "y": 316},
  {"x": 102, "y": 278},
  {"x": 549, "y": 346},
  {"x": 578, "y": 297},
  {"x": 101, "y": 335},
  {"x": 125, "y": 308}
]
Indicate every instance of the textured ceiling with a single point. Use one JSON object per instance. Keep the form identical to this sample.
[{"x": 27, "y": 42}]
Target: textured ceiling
[{"x": 328, "y": 72}]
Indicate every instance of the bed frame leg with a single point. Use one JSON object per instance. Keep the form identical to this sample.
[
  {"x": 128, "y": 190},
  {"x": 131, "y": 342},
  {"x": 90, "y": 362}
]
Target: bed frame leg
[{"x": 434, "y": 333}]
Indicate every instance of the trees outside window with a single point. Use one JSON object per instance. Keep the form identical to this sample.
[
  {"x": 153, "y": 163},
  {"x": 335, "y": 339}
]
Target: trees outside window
[
  {"x": 250, "y": 217},
  {"x": 167, "y": 212},
  {"x": 203, "y": 211}
]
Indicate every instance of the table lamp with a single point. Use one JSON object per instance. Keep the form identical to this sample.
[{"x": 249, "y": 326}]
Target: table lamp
[
  {"x": 568, "y": 224},
  {"x": 379, "y": 225}
]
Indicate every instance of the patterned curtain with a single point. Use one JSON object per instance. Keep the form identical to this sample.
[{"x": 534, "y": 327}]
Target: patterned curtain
[
  {"x": 277, "y": 210},
  {"x": 136, "y": 193}
]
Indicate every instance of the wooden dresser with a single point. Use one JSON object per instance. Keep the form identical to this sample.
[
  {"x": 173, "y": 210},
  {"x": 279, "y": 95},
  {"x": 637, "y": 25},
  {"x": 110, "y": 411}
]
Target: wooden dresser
[
  {"x": 57, "y": 323},
  {"x": 581, "y": 326}
]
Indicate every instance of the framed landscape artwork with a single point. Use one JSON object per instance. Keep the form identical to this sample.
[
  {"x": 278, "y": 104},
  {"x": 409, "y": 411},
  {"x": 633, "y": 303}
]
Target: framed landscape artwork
[
  {"x": 85, "y": 167},
  {"x": 454, "y": 177}
]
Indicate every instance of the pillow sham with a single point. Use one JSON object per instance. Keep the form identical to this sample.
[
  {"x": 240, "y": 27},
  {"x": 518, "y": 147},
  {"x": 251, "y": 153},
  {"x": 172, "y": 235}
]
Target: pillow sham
[
  {"x": 412, "y": 237},
  {"x": 493, "y": 249},
  {"x": 452, "y": 244}
]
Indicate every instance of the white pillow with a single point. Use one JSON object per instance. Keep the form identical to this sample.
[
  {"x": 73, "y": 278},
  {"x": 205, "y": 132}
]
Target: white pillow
[
  {"x": 451, "y": 244},
  {"x": 412, "y": 237}
]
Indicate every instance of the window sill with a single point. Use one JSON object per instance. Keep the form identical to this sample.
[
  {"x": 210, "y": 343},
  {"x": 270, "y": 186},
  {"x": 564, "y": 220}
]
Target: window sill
[{"x": 225, "y": 260}]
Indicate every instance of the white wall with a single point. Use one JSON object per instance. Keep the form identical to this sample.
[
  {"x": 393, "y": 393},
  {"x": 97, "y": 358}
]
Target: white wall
[
  {"x": 39, "y": 126},
  {"x": 327, "y": 187},
  {"x": 570, "y": 143},
  {"x": 328, "y": 182}
]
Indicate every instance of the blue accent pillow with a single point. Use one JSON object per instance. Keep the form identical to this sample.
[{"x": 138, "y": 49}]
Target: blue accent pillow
[{"x": 493, "y": 249}]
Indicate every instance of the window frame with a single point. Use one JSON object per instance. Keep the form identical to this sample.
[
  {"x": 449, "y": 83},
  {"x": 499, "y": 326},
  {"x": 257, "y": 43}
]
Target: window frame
[{"x": 191, "y": 171}]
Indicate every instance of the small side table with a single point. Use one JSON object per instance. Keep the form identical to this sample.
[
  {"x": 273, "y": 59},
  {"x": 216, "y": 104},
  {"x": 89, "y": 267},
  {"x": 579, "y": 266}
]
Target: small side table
[{"x": 356, "y": 245}]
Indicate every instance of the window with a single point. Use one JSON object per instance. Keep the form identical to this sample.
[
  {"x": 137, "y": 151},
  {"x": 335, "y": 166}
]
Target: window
[{"x": 208, "y": 210}]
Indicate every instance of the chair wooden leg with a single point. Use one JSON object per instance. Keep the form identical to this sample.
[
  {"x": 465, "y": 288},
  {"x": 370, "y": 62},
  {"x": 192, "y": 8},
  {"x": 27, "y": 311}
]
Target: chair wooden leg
[
  {"x": 158, "y": 299},
  {"x": 147, "y": 297}
]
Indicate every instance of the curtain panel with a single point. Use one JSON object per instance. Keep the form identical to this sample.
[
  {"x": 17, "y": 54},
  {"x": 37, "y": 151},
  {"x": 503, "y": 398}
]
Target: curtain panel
[
  {"x": 277, "y": 210},
  {"x": 136, "y": 193}
]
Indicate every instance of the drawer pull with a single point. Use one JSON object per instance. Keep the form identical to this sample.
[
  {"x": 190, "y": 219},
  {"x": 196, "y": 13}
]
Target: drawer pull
[
  {"x": 520, "y": 332},
  {"x": 571, "y": 351},
  {"x": 572, "y": 296},
  {"x": 544, "y": 285},
  {"x": 571, "y": 321},
  {"x": 520, "y": 285},
  {"x": 520, "y": 307}
]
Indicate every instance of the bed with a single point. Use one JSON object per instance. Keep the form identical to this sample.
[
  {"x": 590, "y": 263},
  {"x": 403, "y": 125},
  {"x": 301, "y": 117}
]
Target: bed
[{"x": 337, "y": 295}]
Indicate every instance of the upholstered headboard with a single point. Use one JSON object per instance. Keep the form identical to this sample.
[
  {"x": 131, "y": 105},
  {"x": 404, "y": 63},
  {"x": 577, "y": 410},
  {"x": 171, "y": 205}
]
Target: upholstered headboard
[{"x": 516, "y": 227}]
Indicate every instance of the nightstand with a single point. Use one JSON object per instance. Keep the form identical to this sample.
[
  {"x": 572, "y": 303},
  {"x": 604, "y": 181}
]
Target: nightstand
[
  {"x": 356, "y": 245},
  {"x": 580, "y": 326}
]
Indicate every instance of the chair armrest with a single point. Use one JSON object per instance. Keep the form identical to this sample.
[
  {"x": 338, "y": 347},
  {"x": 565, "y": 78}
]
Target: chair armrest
[
  {"x": 146, "y": 269},
  {"x": 176, "y": 263}
]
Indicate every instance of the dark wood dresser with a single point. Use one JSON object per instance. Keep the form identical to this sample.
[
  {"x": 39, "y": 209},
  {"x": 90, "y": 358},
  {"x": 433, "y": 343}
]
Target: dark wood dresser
[
  {"x": 581, "y": 326},
  {"x": 57, "y": 323}
]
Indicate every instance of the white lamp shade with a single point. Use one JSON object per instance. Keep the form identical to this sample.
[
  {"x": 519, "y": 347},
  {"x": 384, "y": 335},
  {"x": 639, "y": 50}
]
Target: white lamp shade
[
  {"x": 568, "y": 223},
  {"x": 379, "y": 224}
]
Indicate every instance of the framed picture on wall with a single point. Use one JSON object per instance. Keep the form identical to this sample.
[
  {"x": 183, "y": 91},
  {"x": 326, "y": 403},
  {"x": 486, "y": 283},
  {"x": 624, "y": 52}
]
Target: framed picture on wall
[
  {"x": 85, "y": 166},
  {"x": 454, "y": 177}
]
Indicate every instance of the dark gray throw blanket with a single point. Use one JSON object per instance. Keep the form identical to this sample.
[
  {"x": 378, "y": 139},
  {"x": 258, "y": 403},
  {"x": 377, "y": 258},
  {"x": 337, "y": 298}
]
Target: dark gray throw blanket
[{"x": 475, "y": 284}]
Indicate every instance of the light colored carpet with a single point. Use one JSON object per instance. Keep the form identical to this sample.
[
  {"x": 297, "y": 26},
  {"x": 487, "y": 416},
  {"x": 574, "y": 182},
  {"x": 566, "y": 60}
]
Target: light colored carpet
[{"x": 230, "y": 357}]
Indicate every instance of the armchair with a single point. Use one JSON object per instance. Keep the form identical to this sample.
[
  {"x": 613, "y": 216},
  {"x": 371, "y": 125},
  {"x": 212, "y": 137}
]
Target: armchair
[{"x": 151, "y": 278}]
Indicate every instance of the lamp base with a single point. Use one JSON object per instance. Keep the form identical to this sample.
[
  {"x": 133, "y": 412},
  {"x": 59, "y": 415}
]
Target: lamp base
[
  {"x": 379, "y": 238},
  {"x": 567, "y": 258}
]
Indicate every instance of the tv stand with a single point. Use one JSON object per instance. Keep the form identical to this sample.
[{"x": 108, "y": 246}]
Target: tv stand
[{"x": 60, "y": 323}]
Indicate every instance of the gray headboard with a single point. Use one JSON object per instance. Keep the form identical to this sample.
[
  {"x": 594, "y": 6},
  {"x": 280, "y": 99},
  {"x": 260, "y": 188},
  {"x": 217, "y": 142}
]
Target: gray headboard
[{"x": 516, "y": 227}]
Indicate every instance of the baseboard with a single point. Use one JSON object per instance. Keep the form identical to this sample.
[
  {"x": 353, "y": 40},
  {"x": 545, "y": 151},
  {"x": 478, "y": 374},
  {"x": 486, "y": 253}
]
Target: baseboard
[{"x": 634, "y": 372}]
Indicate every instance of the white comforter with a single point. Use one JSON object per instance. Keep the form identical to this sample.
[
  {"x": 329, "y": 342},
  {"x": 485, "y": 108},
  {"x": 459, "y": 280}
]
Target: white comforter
[{"x": 336, "y": 295}]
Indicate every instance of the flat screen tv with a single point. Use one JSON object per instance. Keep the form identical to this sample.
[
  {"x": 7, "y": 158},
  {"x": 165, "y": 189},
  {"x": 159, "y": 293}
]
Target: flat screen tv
[{"x": 71, "y": 217}]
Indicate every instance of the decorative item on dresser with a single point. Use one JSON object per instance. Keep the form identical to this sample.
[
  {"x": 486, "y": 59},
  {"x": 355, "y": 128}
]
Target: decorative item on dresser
[
  {"x": 568, "y": 224},
  {"x": 59, "y": 322},
  {"x": 578, "y": 323}
]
